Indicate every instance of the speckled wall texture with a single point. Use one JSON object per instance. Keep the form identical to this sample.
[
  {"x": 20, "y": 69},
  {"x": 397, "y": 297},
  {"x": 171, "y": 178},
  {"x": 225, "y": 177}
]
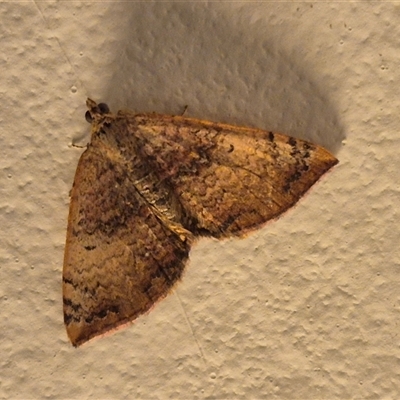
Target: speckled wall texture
[{"x": 305, "y": 308}]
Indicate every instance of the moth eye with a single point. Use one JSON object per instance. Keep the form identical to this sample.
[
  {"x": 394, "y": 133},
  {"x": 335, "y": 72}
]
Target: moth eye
[
  {"x": 88, "y": 117},
  {"x": 103, "y": 108}
]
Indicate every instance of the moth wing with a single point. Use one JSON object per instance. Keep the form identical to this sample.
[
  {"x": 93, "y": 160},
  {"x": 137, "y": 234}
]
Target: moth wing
[
  {"x": 119, "y": 258},
  {"x": 231, "y": 179}
]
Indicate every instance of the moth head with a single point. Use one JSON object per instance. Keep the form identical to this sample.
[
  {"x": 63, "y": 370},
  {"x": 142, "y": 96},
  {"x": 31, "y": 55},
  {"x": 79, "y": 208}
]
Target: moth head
[{"x": 95, "y": 111}]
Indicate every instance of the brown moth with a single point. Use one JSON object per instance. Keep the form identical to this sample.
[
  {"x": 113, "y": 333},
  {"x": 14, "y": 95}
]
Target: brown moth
[{"x": 147, "y": 186}]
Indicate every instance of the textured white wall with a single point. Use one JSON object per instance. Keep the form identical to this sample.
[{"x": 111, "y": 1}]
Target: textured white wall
[{"x": 306, "y": 308}]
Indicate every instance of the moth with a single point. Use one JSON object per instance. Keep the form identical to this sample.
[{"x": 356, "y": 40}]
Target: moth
[{"x": 147, "y": 186}]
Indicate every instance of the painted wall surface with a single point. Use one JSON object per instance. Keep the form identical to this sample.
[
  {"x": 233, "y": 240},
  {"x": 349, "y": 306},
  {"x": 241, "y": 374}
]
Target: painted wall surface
[{"x": 307, "y": 307}]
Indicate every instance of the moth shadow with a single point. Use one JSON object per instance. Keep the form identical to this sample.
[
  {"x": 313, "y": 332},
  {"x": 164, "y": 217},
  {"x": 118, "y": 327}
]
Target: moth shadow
[{"x": 223, "y": 67}]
